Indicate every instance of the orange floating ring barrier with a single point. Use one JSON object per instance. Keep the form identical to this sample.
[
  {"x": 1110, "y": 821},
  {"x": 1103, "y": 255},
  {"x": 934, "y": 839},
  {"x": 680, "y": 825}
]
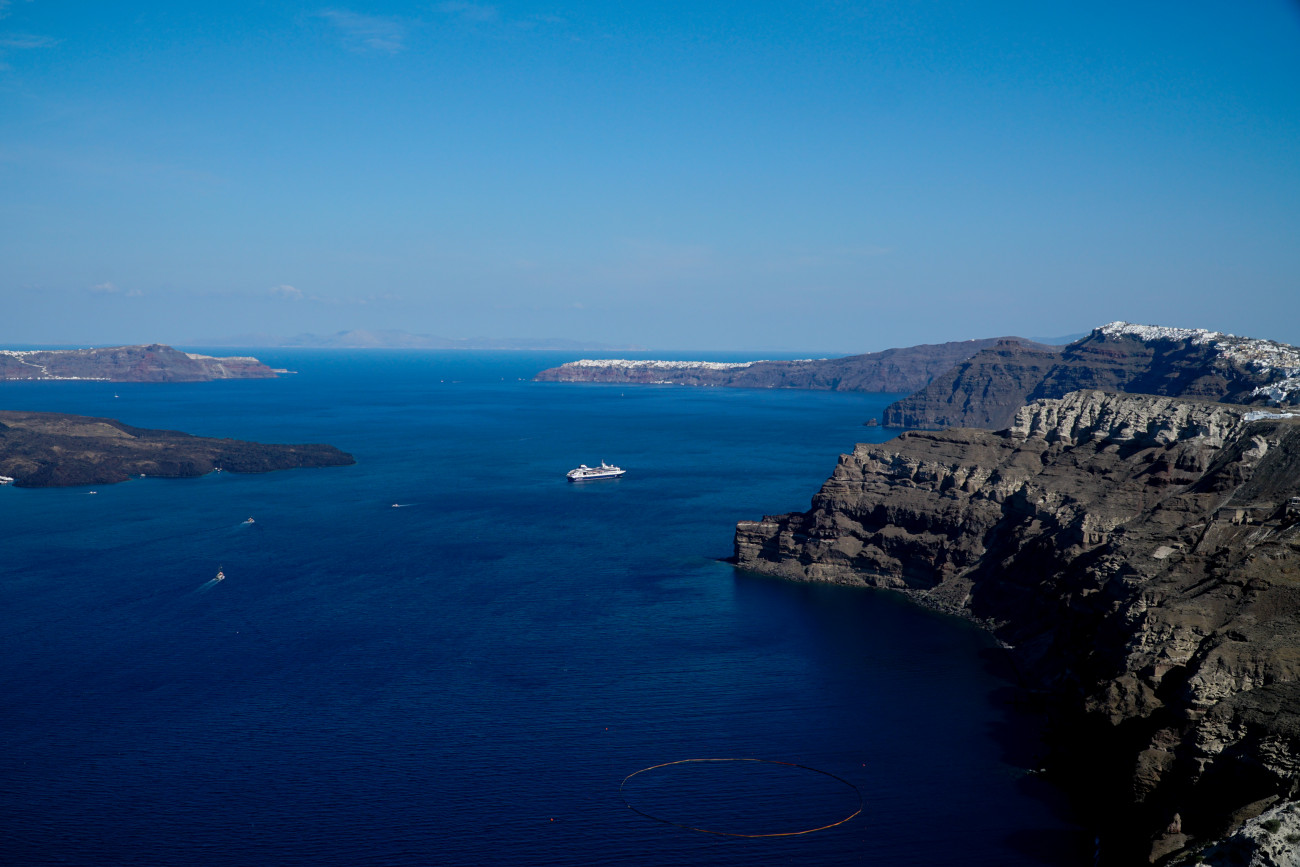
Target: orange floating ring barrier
[{"x": 847, "y": 818}]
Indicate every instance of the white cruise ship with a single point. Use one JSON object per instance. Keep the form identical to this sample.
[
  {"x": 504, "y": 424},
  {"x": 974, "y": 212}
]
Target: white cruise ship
[{"x": 585, "y": 473}]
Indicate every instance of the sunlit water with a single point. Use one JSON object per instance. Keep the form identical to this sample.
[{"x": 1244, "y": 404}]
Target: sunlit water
[{"x": 469, "y": 678}]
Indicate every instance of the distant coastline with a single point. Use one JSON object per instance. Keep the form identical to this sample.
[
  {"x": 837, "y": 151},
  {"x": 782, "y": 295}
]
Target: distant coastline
[{"x": 154, "y": 362}]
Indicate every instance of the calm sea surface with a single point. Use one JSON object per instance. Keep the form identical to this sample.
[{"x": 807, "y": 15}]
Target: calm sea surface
[{"x": 468, "y": 679}]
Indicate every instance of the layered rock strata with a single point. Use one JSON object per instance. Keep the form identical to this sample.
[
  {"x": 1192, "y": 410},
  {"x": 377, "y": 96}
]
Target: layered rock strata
[
  {"x": 893, "y": 370},
  {"x": 45, "y": 449},
  {"x": 153, "y": 363},
  {"x": 987, "y": 389},
  {"x": 1140, "y": 558}
]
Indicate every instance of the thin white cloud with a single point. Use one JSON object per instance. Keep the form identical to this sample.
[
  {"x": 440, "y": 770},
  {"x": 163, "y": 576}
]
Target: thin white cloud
[
  {"x": 367, "y": 32},
  {"x": 293, "y": 293},
  {"x": 470, "y": 14},
  {"x": 108, "y": 287},
  {"x": 476, "y": 13},
  {"x": 26, "y": 41}
]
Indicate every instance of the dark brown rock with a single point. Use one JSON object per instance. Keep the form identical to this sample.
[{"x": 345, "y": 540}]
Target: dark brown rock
[
  {"x": 43, "y": 450},
  {"x": 987, "y": 389},
  {"x": 1137, "y": 557}
]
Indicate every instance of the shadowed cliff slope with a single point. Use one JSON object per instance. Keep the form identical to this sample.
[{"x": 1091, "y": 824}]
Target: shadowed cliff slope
[
  {"x": 46, "y": 449},
  {"x": 1140, "y": 556},
  {"x": 987, "y": 389}
]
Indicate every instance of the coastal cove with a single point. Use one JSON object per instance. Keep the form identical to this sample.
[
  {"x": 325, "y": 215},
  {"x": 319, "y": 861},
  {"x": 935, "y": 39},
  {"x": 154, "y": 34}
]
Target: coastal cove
[{"x": 466, "y": 679}]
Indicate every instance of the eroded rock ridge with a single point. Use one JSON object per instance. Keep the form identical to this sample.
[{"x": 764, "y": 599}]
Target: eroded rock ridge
[
  {"x": 1140, "y": 557},
  {"x": 988, "y": 388}
]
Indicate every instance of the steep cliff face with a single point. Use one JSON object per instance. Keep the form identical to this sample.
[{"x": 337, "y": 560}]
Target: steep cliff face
[
  {"x": 893, "y": 370},
  {"x": 987, "y": 389},
  {"x": 153, "y": 363},
  {"x": 1141, "y": 557}
]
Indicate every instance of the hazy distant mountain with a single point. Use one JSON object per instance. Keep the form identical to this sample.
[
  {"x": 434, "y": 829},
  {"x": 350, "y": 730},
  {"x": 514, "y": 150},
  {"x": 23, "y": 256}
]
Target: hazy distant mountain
[{"x": 392, "y": 339}]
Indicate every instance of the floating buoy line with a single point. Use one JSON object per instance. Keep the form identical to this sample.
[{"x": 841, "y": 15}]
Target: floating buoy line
[{"x": 635, "y": 809}]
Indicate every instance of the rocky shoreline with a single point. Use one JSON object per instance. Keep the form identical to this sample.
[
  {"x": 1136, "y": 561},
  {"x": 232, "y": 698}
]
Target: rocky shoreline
[
  {"x": 45, "y": 450},
  {"x": 1139, "y": 556}
]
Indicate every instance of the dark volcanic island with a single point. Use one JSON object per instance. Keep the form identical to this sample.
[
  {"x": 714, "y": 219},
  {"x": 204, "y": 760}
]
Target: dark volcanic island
[{"x": 44, "y": 450}]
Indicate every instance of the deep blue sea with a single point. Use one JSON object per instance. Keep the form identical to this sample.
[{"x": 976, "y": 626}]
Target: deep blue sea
[{"x": 468, "y": 679}]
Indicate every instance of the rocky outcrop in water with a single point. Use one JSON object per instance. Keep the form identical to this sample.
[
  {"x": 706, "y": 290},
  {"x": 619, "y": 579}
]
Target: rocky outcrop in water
[
  {"x": 893, "y": 370},
  {"x": 1140, "y": 558},
  {"x": 46, "y": 449},
  {"x": 152, "y": 363},
  {"x": 987, "y": 389}
]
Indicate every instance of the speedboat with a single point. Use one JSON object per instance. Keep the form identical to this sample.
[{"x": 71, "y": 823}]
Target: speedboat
[
  {"x": 585, "y": 473},
  {"x": 221, "y": 576}
]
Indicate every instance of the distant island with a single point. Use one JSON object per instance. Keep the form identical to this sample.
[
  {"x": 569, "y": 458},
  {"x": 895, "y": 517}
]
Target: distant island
[
  {"x": 47, "y": 449},
  {"x": 395, "y": 339},
  {"x": 155, "y": 362},
  {"x": 893, "y": 370}
]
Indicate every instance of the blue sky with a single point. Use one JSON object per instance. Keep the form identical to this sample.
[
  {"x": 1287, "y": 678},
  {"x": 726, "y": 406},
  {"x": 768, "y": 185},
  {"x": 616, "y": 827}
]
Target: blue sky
[{"x": 830, "y": 176}]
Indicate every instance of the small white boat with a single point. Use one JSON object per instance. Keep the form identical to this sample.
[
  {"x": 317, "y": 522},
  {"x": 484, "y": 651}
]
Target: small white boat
[
  {"x": 585, "y": 473},
  {"x": 250, "y": 521},
  {"x": 221, "y": 576},
  {"x": 6, "y": 480}
]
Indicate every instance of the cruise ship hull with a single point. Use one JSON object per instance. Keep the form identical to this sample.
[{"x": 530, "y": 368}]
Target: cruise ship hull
[{"x": 585, "y": 473}]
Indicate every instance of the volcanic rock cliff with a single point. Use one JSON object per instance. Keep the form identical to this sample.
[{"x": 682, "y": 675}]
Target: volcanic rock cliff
[
  {"x": 1140, "y": 558},
  {"x": 47, "y": 449},
  {"x": 893, "y": 370},
  {"x": 987, "y": 389},
  {"x": 152, "y": 363}
]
